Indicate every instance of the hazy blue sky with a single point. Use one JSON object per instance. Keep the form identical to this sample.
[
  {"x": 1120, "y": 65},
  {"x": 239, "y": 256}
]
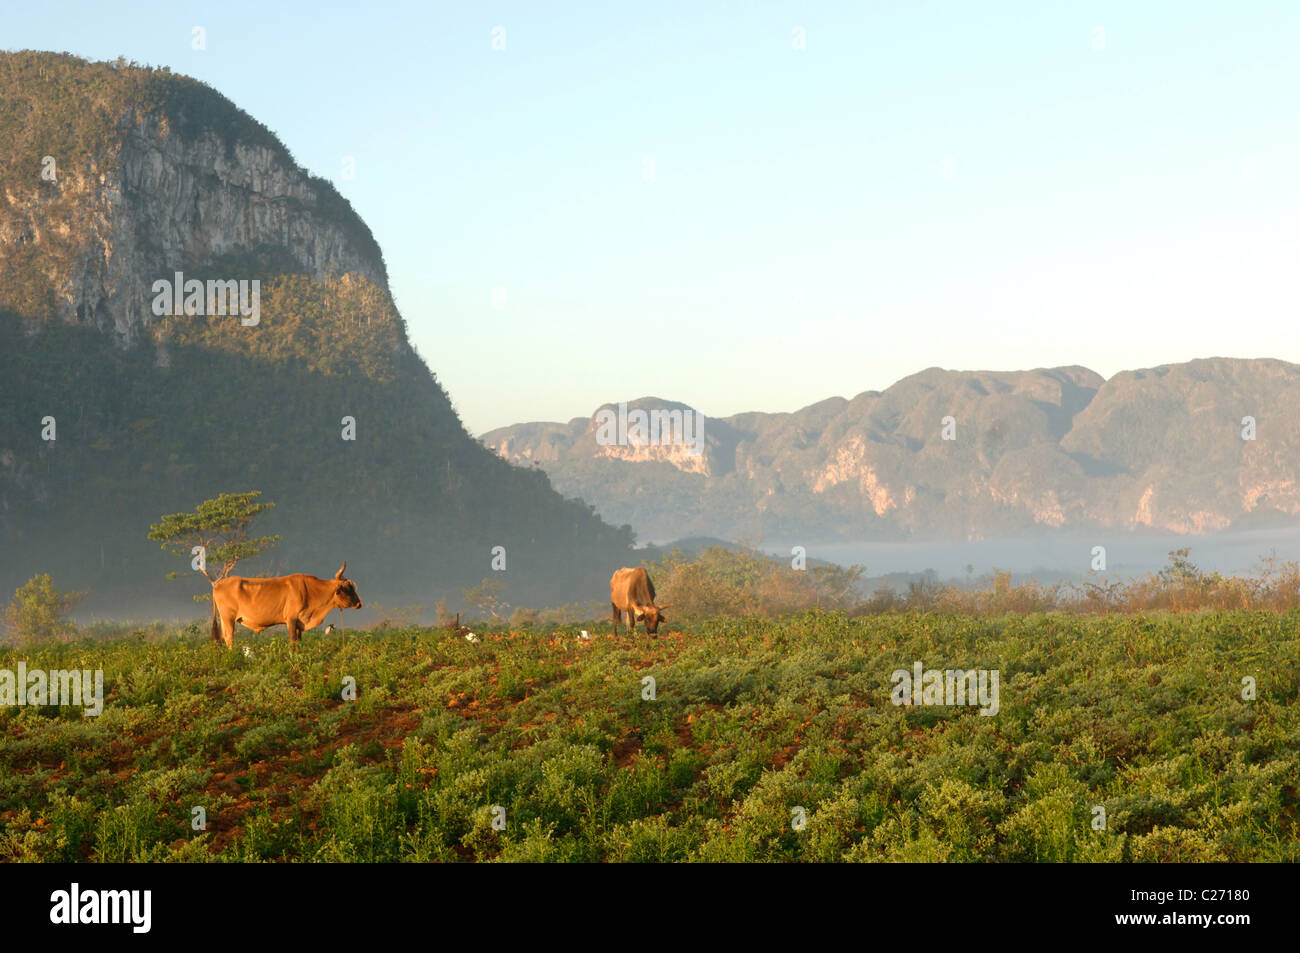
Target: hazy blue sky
[{"x": 974, "y": 186}]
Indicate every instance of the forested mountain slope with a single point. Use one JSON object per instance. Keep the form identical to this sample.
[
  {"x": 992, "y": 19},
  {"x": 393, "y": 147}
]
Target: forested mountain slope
[{"x": 155, "y": 174}]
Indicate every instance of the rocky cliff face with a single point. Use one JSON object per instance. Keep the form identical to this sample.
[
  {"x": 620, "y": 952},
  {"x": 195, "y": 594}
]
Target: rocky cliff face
[
  {"x": 970, "y": 454},
  {"x": 154, "y": 199},
  {"x": 681, "y": 438}
]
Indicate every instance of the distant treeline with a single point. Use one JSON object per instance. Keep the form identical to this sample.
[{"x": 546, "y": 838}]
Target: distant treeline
[
  {"x": 726, "y": 582},
  {"x": 722, "y": 582},
  {"x": 1180, "y": 586}
]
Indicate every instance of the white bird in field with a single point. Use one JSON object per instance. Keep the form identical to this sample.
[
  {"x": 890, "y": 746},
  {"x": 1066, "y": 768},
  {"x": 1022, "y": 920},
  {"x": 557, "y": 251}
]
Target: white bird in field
[
  {"x": 329, "y": 628},
  {"x": 248, "y": 651},
  {"x": 584, "y": 635},
  {"x": 472, "y": 638}
]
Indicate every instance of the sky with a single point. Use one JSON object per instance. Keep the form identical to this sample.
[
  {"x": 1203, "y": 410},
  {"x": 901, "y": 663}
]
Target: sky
[{"x": 758, "y": 206}]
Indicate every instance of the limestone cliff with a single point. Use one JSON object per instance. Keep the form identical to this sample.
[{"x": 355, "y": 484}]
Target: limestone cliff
[{"x": 150, "y": 189}]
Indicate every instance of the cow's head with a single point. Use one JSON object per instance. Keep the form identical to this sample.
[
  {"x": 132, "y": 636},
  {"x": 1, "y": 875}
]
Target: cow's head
[
  {"x": 345, "y": 592},
  {"x": 651, "y": 616}
]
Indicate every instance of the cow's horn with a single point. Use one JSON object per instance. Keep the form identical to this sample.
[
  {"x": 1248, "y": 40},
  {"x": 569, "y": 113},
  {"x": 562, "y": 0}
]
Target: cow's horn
[{"x": 339, "y": 574}]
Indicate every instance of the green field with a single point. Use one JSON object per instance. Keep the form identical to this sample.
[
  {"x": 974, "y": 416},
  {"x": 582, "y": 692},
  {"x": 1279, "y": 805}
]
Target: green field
[{"x": 752, "y": 719}]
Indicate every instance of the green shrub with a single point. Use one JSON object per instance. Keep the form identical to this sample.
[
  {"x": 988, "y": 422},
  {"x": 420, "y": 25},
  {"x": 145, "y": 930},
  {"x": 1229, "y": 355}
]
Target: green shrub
[{"x": 38, "y": 612}]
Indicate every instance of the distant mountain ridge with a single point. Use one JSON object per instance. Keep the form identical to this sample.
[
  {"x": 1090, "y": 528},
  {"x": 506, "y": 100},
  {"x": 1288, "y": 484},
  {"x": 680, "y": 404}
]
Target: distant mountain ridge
[{"x": 1157, "y": 449}]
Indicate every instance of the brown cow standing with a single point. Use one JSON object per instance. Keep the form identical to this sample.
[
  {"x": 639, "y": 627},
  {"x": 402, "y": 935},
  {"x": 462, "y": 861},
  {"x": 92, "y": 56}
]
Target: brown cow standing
[
  {"x": 631, "y": 591},
  {"x": 298, "y": 601}
]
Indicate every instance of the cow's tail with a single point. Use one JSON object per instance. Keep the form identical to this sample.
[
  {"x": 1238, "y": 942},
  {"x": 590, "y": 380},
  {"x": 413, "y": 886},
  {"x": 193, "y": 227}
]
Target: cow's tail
[{"x": 216, "y": 623}]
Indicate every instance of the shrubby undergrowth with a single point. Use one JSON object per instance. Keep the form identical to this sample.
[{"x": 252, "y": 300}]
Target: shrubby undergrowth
[{"x": 552, "y": 736}]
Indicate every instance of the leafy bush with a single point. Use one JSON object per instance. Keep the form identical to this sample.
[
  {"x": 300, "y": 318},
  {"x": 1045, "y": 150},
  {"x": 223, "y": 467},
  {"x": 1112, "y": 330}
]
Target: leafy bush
[
  {"x": 731, "y": 583},
  {"x": 38, "y": 611}
]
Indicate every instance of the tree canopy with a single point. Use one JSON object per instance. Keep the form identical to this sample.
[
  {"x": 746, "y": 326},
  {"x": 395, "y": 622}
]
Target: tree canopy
[{"x": 219, "y": 530}]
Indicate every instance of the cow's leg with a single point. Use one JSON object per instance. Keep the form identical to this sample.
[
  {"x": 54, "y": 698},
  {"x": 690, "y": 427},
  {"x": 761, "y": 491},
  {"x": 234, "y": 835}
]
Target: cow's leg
[
  {"x": 618, "y": 617},
  {"x": 228, "y": 629},
  {"x": 295, "y": 632}
]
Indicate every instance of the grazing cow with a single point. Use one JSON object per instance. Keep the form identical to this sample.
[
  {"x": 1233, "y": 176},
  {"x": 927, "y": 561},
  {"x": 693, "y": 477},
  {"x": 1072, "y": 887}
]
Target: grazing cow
[
  {"x": 298, "y": 601},
  {"x": 631, "y": 591}
]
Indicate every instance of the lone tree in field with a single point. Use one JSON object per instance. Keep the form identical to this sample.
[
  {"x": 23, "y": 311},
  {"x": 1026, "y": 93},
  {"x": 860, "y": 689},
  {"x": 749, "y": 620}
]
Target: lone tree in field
[
  {"x": 215, "y": 536},
  {"x": 486, "y": 596}
]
